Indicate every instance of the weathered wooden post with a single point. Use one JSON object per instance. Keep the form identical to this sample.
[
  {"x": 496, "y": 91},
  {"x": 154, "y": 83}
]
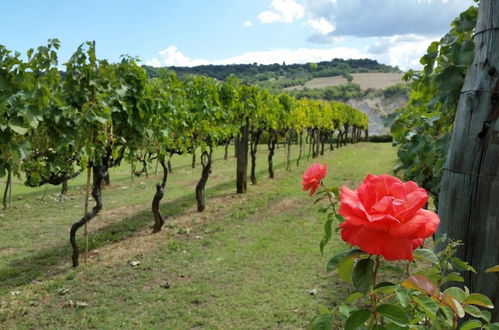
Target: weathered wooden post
[{"x": 469, "y": 198}]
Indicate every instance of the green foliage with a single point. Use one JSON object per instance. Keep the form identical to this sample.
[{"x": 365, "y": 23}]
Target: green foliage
[
  {"x": 362, "y": 275},
  {"x": 97, "y": 113},
  {"x": 398, "y": 90},
  {"x": 380, "y": 138},
  {"x": 357, "y": 319},
  {"x": 418, "y": 300},
  {"x": 422, "y": 129},
  {"x": 277, "y": 76},
  {"x": 330, "y": 93},
  {"x": 24, "y": 95}
]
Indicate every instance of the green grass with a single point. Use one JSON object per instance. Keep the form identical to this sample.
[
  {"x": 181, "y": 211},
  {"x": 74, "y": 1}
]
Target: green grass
[{"x": 247, "y": 262}]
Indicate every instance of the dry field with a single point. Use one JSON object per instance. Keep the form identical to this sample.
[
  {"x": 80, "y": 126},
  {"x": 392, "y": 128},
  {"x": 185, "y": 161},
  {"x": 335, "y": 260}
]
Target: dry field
[{"x": 375, "y": 80}]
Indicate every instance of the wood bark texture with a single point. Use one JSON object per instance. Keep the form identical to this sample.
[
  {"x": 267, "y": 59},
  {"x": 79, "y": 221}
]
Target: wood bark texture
[
  {"x": 242, "y": 159},
  {"x": 253, "y": 149},
  {"x": 159, "y": 220},
  {"x": 469, "y": 198},
  {"x": 271, "y": 144},
  {"x": 200, "y": 187},
  {"x": 98, "y": 174}
]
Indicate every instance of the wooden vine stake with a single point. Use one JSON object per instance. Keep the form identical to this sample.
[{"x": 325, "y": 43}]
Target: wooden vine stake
[
  {"x": 468, "y": 205},
  {"x": 85, "y": 229}
]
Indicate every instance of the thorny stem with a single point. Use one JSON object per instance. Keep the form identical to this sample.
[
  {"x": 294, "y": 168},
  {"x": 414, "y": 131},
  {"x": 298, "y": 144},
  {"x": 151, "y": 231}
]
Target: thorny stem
[{"x": 333, "y": 204}]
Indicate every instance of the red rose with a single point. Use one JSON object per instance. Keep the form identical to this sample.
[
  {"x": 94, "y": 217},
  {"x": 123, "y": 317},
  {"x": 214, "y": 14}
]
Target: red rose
[
  {"x": 313, "y": 176},
  {"x": 384, "y": 216}
]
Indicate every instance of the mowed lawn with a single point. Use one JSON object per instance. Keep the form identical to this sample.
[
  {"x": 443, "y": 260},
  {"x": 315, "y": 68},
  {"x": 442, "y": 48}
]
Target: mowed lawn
[{"x": 247, "y": 262}]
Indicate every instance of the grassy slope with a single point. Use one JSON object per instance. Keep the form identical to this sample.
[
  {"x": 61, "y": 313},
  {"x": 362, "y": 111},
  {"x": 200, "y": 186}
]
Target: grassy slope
[{"x": 247, "y": 262}]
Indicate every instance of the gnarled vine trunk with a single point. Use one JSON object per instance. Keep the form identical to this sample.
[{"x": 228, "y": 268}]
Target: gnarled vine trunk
[
  {"x": 315, "y": 142},
  {"x": 300, "y": 142},
  {"x": 253, "y": 150},
  {"x": 8, "y": 185},
  {"x": 288, "y": 149},
  {"x": 338, "y": 138},
  {"x": 159, "y": 220},
  {"x": 98, "y": 174},
  {"x": 468, "y": 205},
  {"x": 226, "y": 151},
  {"x": 169, "y": 163},
  {"x": 345, "y": 135},
  {"x": 331, "y": 140},
  {"x": 310, "y": 142},
  {"x": 271, "y": 144},
  {"x": 242, "y": 159},
  {"x": 106, "y": 181},
  {"x": 64, "y": 187},
  {"x": 322, "y": 136},
  {"x": 200, "y": 187}
]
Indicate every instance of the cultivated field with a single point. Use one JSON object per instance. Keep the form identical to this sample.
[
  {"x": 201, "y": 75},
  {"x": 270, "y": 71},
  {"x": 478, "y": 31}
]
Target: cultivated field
[
  {"x": 375, "y": 80},
  {"x": 247, "y": 262}
]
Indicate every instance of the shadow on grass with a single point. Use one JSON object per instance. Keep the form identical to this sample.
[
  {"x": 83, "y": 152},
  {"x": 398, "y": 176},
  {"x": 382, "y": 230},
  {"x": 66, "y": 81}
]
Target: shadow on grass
[
  {"x": 25, "y": 269},
  {"x": 48, "y": 189}
]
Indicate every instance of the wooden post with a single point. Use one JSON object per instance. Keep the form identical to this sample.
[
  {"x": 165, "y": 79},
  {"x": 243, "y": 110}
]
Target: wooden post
[{"x": 469, "y": 197}]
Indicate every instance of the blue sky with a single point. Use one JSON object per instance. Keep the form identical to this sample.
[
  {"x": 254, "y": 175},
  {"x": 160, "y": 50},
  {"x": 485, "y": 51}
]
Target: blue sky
[{"x": 192, "y": 32}]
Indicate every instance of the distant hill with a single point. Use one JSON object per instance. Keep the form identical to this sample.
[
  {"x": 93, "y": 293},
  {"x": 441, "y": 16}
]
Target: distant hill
[
  {"x": 377, "y": 89},
  {"x": 278, "y": 76}
]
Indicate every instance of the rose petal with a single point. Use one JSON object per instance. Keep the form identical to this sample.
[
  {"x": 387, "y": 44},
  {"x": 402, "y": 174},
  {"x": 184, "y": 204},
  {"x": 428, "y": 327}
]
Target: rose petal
[
  {"x": 378, "y": 242},
  {"x": 365, "y": 194},
  {"x": 309, "y": 184},
  {"x": 350, "y": 204},
  {"x": 380, "y": 222},
  {"x": 312, "y": 177},
  {"x": 423, "y": 224},
  {"x": 416, "y": 199},
  {"x": 384, "y": 205},
  {"x": 314, "y": 188},
  {"x": 383, "y": 185},
  {"x": 418, "y": 242}
]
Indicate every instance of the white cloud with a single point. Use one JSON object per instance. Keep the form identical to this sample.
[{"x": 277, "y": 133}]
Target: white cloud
[
  {"x": 171, "y": 56},
  {"x": 403, "y": 51},
  {"x": 248, "y": 23},
  {"x": 321, "y": 26},
  {"x": 300, "y": 55},
  {"x": 153, "y": 62},
  {"x": 377, "y": 18},
  {"x": 285, "y": 11}
]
